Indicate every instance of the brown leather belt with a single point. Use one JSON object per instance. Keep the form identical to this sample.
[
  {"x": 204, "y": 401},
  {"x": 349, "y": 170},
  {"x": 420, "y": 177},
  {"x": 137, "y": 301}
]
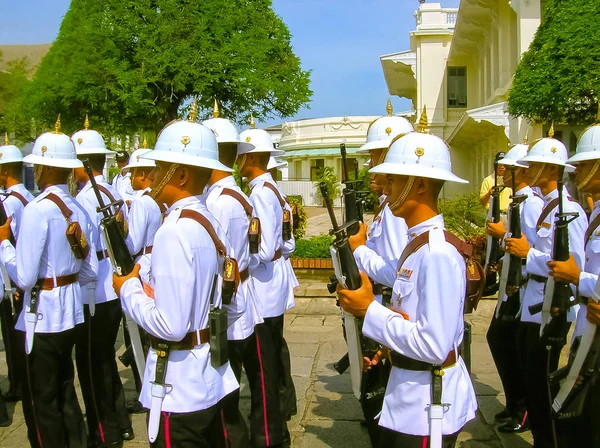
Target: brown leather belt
[
  {"x": 277, "y": 255},
  {"x": 189, "y": 341},
  {"x": 537, "y": 278},
  {"x": 102, "y": 254},
  {"x": 48, "y": 284},
  {"x": 244, "y": 275},
  {"x": 406, "y": 363},
  {"x": 145, "y": 251},
  {"x": 377, "y": 289}
]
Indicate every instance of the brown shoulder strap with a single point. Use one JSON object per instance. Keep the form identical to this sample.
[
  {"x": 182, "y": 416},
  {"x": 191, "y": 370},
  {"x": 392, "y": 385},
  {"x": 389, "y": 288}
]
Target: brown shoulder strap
[
  {"x": 465, "y": 249},
  {"x": 238, "y": 197},
  {"x": 20, "y": 197},
  {"x": 547, "y": 210},
  {"x": 107, "y": 192},
  {"x": 274, "y": 189},
  {"x": 66, "y": 211},
  {"x": 201, "y": 219},
  {"x": 593, "y": 226}
]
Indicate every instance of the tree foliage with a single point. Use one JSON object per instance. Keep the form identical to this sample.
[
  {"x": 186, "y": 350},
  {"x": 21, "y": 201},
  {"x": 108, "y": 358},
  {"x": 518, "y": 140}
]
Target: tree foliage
[
  {"x": 13, "y": 79},
  {"x": 558, "y": 78},
  {"x": 132, "y": 64}
]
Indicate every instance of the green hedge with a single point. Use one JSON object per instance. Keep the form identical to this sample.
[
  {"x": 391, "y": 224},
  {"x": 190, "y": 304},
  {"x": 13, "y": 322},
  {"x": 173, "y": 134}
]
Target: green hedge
[
  {"x": 464, "y": 216},
  {"x": 314, "y": 247}
]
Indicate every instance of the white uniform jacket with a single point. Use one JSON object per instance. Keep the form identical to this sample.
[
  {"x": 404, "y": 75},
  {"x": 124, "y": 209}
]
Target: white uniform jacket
[
  {"x": 541, "y": 253},
  {"x": 44, "y": 252},
  {"x": 233, "y": 219},
  {"x": 144, "y": 219},
  {"x": 14, "y": 207},
  {"x": 184, "y": 265},
  {"x": 122, "y": 183},
  {"x": 272, "y": 282},
  {"x": 387, "y": 239},
  {"x": 102, "y": 289},
  {"x": 430, "y": 289},
  {"x": 589, "y": 277}
]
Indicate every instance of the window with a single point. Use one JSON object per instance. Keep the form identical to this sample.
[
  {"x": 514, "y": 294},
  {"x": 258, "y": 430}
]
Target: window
[
  {"x": 457, "y": 86},
  {"x": 316, "y": 165},
  {"x": 298, "y": 169}
]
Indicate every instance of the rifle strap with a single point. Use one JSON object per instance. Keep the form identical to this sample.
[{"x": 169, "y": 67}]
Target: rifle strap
[
  {"x": 204, "y": 222},
  {"x": 276, "y": 191},
  {"x": 548, "y": 209},
  {"x": 591, "y": 228},
  {"x": 107, "y": 192},
  {"x": 66, "y": 211},
  {"x": 240, "y": 198},
  {"x": 20, "y": 197},
  {"x": 465, "y": 249}
]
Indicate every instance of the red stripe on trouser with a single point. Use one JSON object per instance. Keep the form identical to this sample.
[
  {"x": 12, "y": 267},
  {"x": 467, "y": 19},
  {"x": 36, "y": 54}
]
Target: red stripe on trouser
[
  {"x": 524, "y": 418},
  {"x": 224, "y": 429},
  {"x": 167, "y": 430},
  {"x": 264, "y": 394},
  {"x": 425, "y": 441}
]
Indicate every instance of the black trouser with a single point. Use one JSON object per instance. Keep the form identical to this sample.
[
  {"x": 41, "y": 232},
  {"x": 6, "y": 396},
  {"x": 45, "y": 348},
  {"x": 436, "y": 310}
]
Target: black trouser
[
  {"x": 50, "y": 405},
  {"x": 257, "y": 354},
  {"x": 14, "y": 344},
  {"x": 101, "y": 386},
  {"x": 536, "y": 361},
  {"x": 373, "y": 384},
  {"x": 287, "y": 391},
  {"x": 393, "y": 439},
  {"x": 198, "y": 429},
  {"x": 503, "y": 343},
  {"x": 583, "y": 431}
]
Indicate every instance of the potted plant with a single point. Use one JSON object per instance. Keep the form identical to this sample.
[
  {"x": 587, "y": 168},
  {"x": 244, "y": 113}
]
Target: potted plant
[{"x": 327, "y": 175}]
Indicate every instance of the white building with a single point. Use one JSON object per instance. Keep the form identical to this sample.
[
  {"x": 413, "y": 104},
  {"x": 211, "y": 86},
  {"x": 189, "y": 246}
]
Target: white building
[{"x": 461, "y": 65}]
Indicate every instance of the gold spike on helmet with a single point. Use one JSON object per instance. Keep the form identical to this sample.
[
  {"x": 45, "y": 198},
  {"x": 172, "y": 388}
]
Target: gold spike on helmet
[
  {"x": 57, "y": 126},
  {"x": 145, "y": 143},
  {"x": 526, "y": 138},
  {"x": 252, "y": 122},
  {"x": 551, "y": 131},
  {"x": 193, "y": 111},
  {"x": 216, "y": 111},
  {"x": 86, "y": 122},
  {"x": 6, "y": 139},
  {"x": 389, "y": 108},
  {"x": 423, "y": 121}
]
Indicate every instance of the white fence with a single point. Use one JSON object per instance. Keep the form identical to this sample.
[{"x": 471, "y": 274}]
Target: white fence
[{"x": 306, "y": 189}]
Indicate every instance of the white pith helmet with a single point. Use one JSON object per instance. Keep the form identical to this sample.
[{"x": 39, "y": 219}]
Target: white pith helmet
[
  {"x": 588, "y": 146},
  {"x": 136, "y": 160},
  {"x": 259, "y": 141},
  {"x": 273, "y": 163},
  {"x": 418, "y": 155},
  {"x": 367, "y": 164},
  {"x": 513, "y": 156},
  {"x": 383, "y": 130},
  {"x": 9, "y": 153},
  {"x": 54, "y": 149},
  {"x": 88, "y": 141},
  {"x": 224, "y": 130},
  {"x": 187, "y": 143},
  {"x": 547, "y": 150}
]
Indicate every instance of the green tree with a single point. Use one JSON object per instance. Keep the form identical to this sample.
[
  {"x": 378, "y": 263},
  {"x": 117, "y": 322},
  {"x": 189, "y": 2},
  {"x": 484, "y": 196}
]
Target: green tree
[
  {"x": 332, "y": 185},
  {"x": 558, "y": 78},
  {"x": 132, "y": 65},
  {"x": 13, "y": 79}
]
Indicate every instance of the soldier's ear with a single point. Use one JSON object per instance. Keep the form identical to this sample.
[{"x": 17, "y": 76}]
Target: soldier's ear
[
  {"x": 184, "y": 175},
  {"x": 422, "y": 185}
]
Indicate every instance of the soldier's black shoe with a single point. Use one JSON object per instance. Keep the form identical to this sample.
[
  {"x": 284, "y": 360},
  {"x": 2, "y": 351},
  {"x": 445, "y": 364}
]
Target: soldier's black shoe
[
  {"x": 128, "y": 434},
  {"x": 503, "y": 415},
  {"x": 12, "y": 397},
  {"x": 514, "y": 425},
  {"x": 135, "y": 407}
]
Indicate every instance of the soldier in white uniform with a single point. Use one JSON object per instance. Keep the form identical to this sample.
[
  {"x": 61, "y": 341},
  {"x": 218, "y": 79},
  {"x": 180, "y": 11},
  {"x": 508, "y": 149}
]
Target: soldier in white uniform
[
  {"x": 122, "y": 181},
  {"x": 547, "y": 160},
  {"x": 502, "y": 333},
  {"x": 51, "y": 273},
  {"x": 272, "y": 280},
  {"x": 584, "y": 430},
  {"x": 182, "y": 388},
  {"x": 248, "y": 338},
  {"x": 101, "y": 387},
  {"x": 378, "y": 257},
  {"x": 14, "y": 200},
  {"x": 424, "y": 326}
]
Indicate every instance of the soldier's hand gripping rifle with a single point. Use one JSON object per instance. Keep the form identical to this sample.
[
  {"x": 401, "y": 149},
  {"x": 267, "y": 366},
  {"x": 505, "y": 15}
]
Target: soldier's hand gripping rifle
[
  {"x": 511, "y": 276},
  {"x": 581, "y": 373},
  {"x": 493, "y": 243},
  {"x": 557, "y": 296}
]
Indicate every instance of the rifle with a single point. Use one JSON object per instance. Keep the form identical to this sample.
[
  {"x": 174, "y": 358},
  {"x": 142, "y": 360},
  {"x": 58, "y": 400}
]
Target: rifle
[
  {"x": 493, "y": 244},
  {"x": 118, "y": 253},
  {"x": 511, "y": 277},
  {"x": 557, "y": 296},
  {"x": 352, "y": 209}
]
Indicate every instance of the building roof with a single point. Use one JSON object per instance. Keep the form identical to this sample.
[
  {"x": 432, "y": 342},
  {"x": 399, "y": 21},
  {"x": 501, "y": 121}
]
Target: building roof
[{"x": 399, "y": 70}]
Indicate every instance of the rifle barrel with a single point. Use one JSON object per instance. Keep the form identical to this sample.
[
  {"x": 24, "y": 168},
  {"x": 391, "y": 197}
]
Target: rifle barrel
[{"x": 90, "y": 173}]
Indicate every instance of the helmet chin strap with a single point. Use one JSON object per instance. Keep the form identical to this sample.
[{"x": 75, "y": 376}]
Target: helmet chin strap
[
  {"x": 398, "y": 202},
  {"x": 590, "y": 176},
  {"x": 538, "y": 175},
  {"x": 164, "y": 181},
  {"x": 37, "y": 173},
  {"x": 242, "y": 162}
]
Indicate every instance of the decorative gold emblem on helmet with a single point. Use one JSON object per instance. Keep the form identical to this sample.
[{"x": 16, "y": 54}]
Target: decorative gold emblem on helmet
[
  {"x": 248, "y": 139},
  {"x": 553, "y": 150},
  {"x": 419, "y": 152},
  {"x": 185, "y": 140},
  {"x": 80, "y": 140},
  {"x": 44, "y": 149},
  {"x": 388, "y": 131}
]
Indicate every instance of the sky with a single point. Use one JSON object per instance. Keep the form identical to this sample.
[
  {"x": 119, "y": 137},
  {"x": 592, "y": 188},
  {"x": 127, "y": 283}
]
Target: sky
[{"x": 340, "y": 41}]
